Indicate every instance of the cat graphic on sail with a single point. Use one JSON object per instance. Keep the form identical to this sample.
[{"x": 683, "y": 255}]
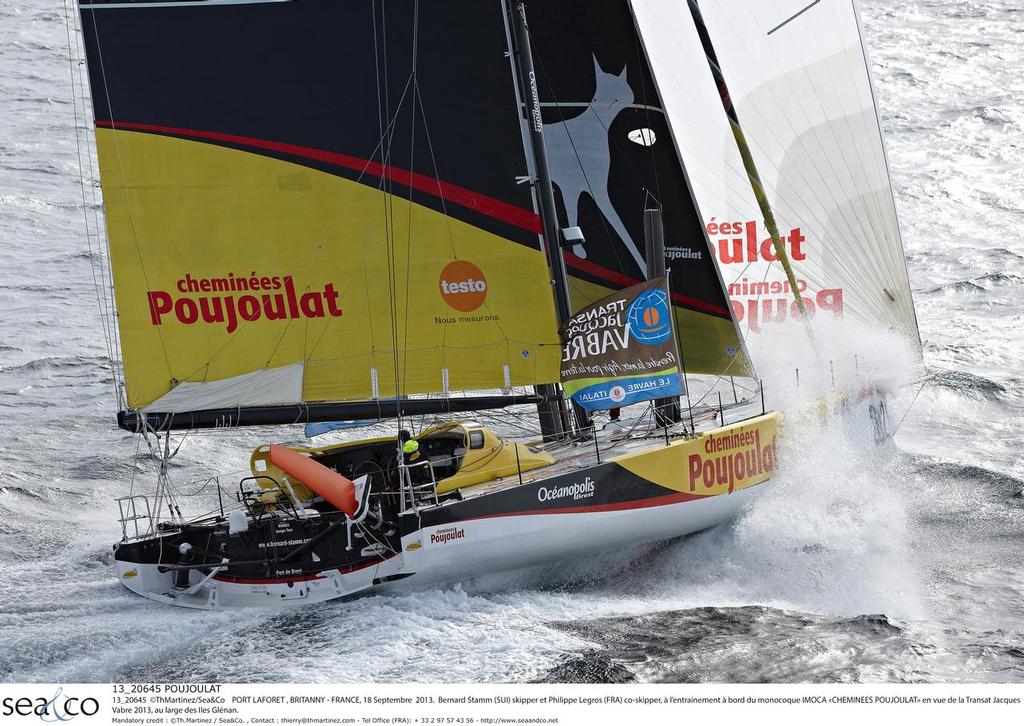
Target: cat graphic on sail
[{"x": 579, "y": 152}]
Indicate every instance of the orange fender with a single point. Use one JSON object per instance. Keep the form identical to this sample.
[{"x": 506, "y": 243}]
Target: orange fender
[{"x": 329, "y": 484}]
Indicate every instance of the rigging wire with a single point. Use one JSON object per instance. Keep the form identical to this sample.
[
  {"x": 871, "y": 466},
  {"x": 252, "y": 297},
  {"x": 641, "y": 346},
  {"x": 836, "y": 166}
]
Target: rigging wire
[
  {"x": 124, "y": 182},
  {"x": 386, "y": 185},
  {"x": 96, "y": 258},
  {"x": 911, "y": 406},
  {"x": 409, "y": 225}
]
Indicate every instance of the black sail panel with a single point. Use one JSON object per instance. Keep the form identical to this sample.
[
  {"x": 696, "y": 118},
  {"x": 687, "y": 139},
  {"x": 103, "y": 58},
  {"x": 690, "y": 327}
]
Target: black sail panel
[
  {"x": 611, "y": 154},
  {"x": 316, "y": 201}
]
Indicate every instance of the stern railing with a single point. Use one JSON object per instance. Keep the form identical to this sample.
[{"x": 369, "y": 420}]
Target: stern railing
[{"x": 130, "y": 516}]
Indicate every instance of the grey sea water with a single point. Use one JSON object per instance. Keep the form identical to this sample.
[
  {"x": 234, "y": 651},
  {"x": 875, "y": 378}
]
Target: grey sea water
[{"x": 846, "y": 571}]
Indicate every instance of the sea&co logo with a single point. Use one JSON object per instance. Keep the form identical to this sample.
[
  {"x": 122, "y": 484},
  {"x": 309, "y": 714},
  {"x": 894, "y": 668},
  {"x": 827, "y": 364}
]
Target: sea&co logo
[{"x": 56, "y": 709}]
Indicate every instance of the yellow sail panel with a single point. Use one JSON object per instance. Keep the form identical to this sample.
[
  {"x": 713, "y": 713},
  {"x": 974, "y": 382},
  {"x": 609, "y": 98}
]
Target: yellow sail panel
[{"x": 228, "y": 262}]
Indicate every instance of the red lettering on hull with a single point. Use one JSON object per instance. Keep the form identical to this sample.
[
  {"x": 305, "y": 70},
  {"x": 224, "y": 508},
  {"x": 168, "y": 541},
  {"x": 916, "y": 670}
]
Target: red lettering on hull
[{"x": 727, "y": 467}]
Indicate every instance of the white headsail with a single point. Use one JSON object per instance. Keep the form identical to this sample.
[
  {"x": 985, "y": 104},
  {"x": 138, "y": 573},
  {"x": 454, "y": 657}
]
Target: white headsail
[{"x": 799, "y": 79}]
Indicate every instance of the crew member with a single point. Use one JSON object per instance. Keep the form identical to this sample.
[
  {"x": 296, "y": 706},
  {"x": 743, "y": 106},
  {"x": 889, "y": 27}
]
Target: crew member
[
  {"x": 613, "y": 418},
  {"x": 410, "y": 447},
  {"x": 411, "y": 456}
]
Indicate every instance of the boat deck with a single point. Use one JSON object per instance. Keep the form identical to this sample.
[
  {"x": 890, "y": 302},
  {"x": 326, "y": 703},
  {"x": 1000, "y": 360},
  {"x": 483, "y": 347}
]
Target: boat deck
[
  {"x": 632, "y": 434},
  {"x": 635, "y": 434}
]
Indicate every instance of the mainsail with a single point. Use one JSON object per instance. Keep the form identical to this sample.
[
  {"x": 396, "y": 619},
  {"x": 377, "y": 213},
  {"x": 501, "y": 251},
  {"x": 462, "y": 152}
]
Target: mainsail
[
  {"x": 612, "y": 156},
  {"x": 316, "y": 201},
  {"x": 799, "y": 77}
]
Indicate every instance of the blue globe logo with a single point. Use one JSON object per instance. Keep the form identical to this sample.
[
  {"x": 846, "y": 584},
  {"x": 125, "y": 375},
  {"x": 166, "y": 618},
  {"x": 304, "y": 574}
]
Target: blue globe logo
[{"x": 649, "y": 318}]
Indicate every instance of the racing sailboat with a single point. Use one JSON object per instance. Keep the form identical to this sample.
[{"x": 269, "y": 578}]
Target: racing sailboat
[{"x": 447, "y": 210}]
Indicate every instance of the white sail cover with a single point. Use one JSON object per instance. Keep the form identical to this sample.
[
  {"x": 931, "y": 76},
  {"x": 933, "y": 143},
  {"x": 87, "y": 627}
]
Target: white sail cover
[
  {"x": 799, "y": 77},
  {"x": 267, "y": 387}
]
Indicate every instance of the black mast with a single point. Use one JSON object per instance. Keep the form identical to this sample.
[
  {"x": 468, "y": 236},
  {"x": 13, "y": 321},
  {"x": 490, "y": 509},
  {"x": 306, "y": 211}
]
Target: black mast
[
  {"x": 666, "y": 410},
  {"x": 554, "y": 414}
]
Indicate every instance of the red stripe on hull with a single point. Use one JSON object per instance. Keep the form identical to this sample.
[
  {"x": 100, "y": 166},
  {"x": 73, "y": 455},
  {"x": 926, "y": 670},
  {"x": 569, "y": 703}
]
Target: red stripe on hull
[
  {"x": 674, "y": 498},
  {"x": 266, "y": 580}
]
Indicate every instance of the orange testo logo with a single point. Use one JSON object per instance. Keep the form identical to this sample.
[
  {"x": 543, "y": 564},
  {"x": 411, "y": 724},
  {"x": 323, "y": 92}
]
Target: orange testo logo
[{"x": 463, "y": 285}]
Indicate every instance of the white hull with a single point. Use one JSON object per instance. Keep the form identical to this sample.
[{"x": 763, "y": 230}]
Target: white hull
[
  {"x": 658, "y": 492},
  {"x": 486, "y": 546}
]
